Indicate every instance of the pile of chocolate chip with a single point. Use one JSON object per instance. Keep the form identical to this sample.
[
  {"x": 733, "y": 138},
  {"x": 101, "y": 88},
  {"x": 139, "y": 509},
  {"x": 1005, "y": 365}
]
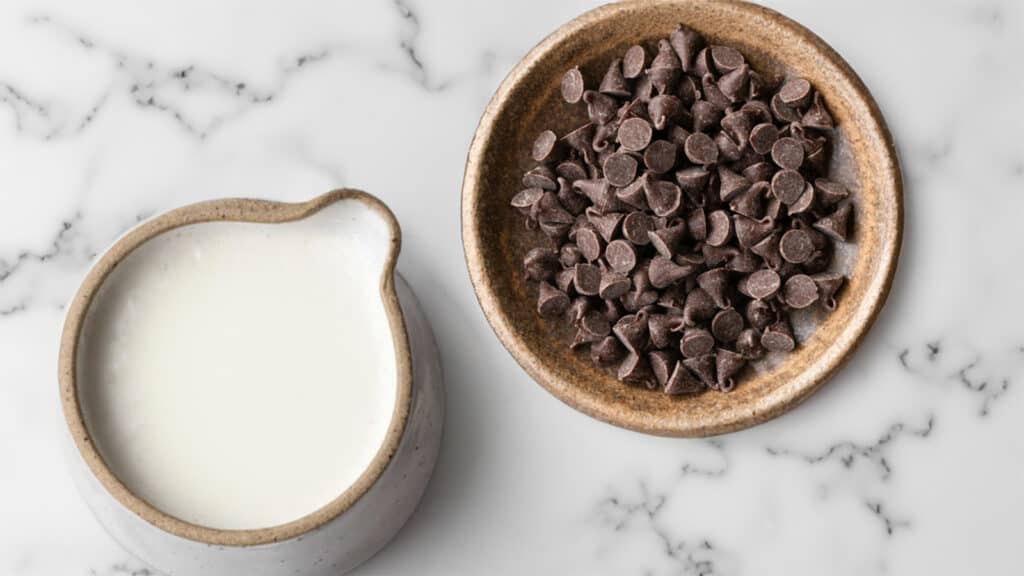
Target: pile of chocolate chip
[{"x": 689, "y": 217}]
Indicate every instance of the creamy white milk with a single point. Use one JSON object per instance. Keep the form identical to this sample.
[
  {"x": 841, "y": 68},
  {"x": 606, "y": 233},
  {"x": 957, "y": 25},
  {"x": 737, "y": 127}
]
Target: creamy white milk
[{"x": 240, "y": 375}]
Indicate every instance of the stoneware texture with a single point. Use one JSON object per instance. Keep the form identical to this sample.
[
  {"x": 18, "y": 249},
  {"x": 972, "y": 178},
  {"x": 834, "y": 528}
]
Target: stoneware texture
[
  {"x": 345, "y": 532},
  {"x": 529, "y": 101}
]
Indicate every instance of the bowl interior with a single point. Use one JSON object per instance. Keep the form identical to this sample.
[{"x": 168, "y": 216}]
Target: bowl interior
[{"x": 529, "y": 101}]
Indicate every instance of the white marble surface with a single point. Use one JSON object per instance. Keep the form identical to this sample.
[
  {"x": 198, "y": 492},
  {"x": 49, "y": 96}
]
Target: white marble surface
[{"x": 909, "y": 462}]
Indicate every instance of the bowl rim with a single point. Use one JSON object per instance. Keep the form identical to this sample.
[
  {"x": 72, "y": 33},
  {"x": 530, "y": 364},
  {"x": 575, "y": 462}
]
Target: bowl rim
[
  {"x": 251, "y": 211},
  {"x": 534, "y": 366}
]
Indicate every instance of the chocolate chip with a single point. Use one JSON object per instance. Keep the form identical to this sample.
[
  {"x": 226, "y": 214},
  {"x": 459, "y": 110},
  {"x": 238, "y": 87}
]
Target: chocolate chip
[
  {"x": 760, "y": 314},
  {"x": 635, "y": 134},
  {"x": 768, "y": 249},
  {"x": 596, "y": 325},
  {"x": 759, "y": 172},
  {"x": 796, "y": 246},
  {"x": 828, "y": 285},
  {"x": 564, "y": 279},
  {"x": 836, "y": 224},
  {"x": 620, "y": 169},
  {"x": 687, "y": 42},
  {"x": 578, "y": 309},
  {"x": 713, "y": 94},
  {"x": 635, "y": 227},
  {"x": 829, "y": 192},
  {"x": 633, "y": 194},
  {"x": 638, "y": 301},
  {"x": 817, "y": 116},
  {"x": 601, "y": 108},
  {"x": 620, "y": 255},
  {"x": 572, "y": 86},
  {"x": 800, "y": 291},
  {"x": 663, "y": 272},
  {"x": 540, "y": 264},
  {"x": 607, "y": 225},
  {"x": 693, "y": 181},
  {"x": 614, "y": 83},
  {"x": 782, "y": 111},
  {"x": 726, "y": 58},
  {"x": 698, "y": 307},
  {"x": 702, "y": 64},
  {"x": 751, "y": 202},
  {"x": 525, "y": 199},
  {"x": 613, "y": 310},
  {"x": 666, "y": 240},
  {"x": 787, "y": 186},
  {"x": 715, "y": 256},
  {"x": 662, "y": 363},
  {"x": 750, "y": 232},
  {"x": 665, "y": 68},
  {"x": 705, "y": 115},
  {"x": 745, "y": 262},
  {"x": 613, "y": 285},
  {"x": 634, "y": 61},
  {"x": 716, "y": 283},
  {"x": 749, "y": 344},
  {"x": 635, "y": 370},
  {"x": 796, "y": 93},
  {"x": 735, "y": 85},
  {"x": 704, "y": 368},
  {"x": 555, "y": 222},
  {"x": 659, "y": 327},
  {"x": 761, "y": 285},
  {"x": 607, "y": 352},
  {"x": 571, "y": 170},
  {"x": 697, "y": 224},
  {"x": 587, "y": 279},
  {"x": 664, "y": 198},
  {"x": 665, "y": 109},
  {"x": 727, "y": 325},
  {"x": 631, "y": 330},
  {"x": 701, "y": 149},
  {"x": 728, "y": 149},
  {"x": 643, "y": 89},
  {"x": 804, "y": 203},
  {"x": 660, "y": 156},
  {"x": 589, "y": 244},
  {"x": 696, "y": 342},
  {"x": 763, "y": 137},
  {"x": 731, "y": 184},
  {"x": 727, "y": 365},
  {"x": 719, "y": 228},
  {"x": 778, "y": 337},
  {"x": 551, "y": 301},
  {"x": 788, "y": 153},
  {"x": 682, "y": 381},
  {"x": 604, "y": 137},
  {"x": 540, "y": 177},
  {"x": 600, "y": 194}
]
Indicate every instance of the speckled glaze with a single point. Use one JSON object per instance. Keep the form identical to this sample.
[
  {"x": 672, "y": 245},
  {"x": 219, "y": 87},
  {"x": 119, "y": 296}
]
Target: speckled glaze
[
  {"x": 342, "y": 534},
  {"x": 528, "y": 101}
]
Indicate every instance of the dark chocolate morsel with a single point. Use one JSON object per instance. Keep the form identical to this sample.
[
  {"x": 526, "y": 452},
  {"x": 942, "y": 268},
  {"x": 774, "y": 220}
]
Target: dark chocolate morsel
[
  {"x": 796, "y": 93},
  {"x": 660, "y": 156},
  {"x": 665, "y": 109},
  {"x": 569, "y": 255},
  {"x": 637, "y": 301},
  {"x": 601, "y": 108},
  {"x": 778, "y": 337},
  {"x": 604, "y": 138},
  {"x": 665, "y": 68},
  {"x": 704, "y": 368},
  {"x": 713, "y": 94},
  {"x": 728, "y": 149},
  {"x": 787, "y": 186},
  {"x": 607, "y": 352},
  {"x": 631, "y": 330},
  {"x": 772, "y": 209},
  {"x": 659, "y": 326},
  {"x": 613, "y": 310},
  {"x": 760, "y": 314},
  {"x": 664, "y": 272},
  {"x": 677, "y": 134},
  {"x": 735, "y": 85},
  {"x": 643, "y": 88},
  {"x": 830, "y": 192},
  {"x": 696, "y": 342},
  {"x": 614, "y": 83},
  {"x": 761, "y": 285},
  {"x": 633, "y": 61},
  {"x": 796, "y": 246},
  {"x": 606, "y": 224},
  {"x": 727, "y": 365},
  {"x": 751, "y": 202},
  {"x": 595, "y": 324},
  {"x": 572, "y": 86},
  {"x": 693, "y": 181},
  {"x": 620, "y": 169},
  {"x": 666, "y": 240},
  {"x": 782, "y": 111},
  {"x": 571, "y": 170},
  {"x": 551, "y": 301},
  {"x": 715, "y": 256},
  {"x": 564, "y": 279},
  {"x": 589, "y": 244},
  {"x": 705, "y": 115},
  {"x": 763, "y": 137},
  {"x": 541, "y": 264},
  {"x": 731, "y": 184},
  {"x": 836, "y": 224},
  {"x": 555, "y": 222},
  {"x": 687, "y": 42},
  {"x": 613, "y": 285},
  {"x": 800, "y": 291},
  {"x": 804, "y": 203},
  {"x": 546, "y": 147},
  {"x": 587, "y": 279},
  {"x": 635, "y": 227},
  {"x": 702, "y": 64},
  {"x": 699, "y": 306},
  {"x": 726, "y": 58},
  {"x": 828, "y": 285},
  {"x": 737, "y": 126},
  {"x": 600, "y": 193},
  {"x": 719, "y": 228},
  {"x": 727, "y": 325},
  {"x": 540, "y": 177},
  {"x": 662, "y": 363},
  {"x": 817, "y": 116},
  {"x": 749, "y": 344},
  {"x": 759, "y": 172},
  {"x": 682, "y": 381},
  {"x": 525, "y": 199},
  {"x": 745, "y": 262},
  {"x": 578, "y": 309},
  {"x": 635, "y": 370},
  {"x": 716, "y": 283},
  {"x": 633, "y": 193},
  {"x": 620, "y": 255},
  {"x": 697, "y": 224},
  {"x": 788, "y": 152},
  {"x": 701, "y": 149},
  {"x": 635, "y": 134},
  {"x": 664, "y": 198},
  {"x": 641, "y": 278},
  {"x": 750, "y": 232}
]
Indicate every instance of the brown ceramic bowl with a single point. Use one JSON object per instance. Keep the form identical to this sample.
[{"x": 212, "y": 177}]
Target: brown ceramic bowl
[{"x": 529, "y": 101}]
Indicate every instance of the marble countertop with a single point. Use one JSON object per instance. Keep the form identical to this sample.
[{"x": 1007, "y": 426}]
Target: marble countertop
[{"x": 908, "y": 462}]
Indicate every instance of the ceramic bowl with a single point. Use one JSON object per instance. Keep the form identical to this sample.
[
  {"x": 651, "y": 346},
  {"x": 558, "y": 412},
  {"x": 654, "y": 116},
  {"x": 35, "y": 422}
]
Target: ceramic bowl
[
  {"x": 361, "y": 519},
  {"x": 529, "y": 101}
]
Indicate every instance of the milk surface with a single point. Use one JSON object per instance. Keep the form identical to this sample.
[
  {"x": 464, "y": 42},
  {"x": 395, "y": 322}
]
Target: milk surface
[{"x": 239, "y": 375}]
